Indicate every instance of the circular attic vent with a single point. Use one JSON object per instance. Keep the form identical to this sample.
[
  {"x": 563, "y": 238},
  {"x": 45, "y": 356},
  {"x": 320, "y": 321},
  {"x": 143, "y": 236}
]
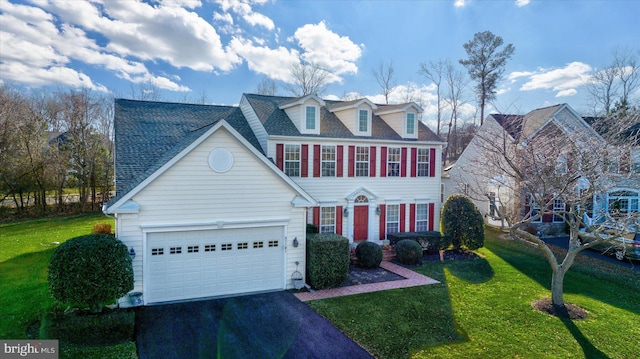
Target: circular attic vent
[{"x": 221, "y": 160}]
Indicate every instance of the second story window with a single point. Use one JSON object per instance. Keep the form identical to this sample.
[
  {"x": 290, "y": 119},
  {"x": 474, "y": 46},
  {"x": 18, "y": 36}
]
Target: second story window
[
  {"x": 422, "y": 162},
  {"x": 292, "y": 160},
  {"x": 362, "y": 161},
  {"x": 363, "y": 121},
  {"x": 411, "y": 123},
  {"x": 393, "y": 162},
  {"x": 310, "y": 118},
  {"x": 328, "y": 161}
]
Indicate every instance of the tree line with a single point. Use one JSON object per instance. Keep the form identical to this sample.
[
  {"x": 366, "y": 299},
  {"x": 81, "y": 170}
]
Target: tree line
[{"x": 53, "y": 141}]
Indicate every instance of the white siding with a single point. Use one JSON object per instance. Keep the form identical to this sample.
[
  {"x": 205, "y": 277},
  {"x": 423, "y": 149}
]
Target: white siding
[
  {"x": 254, "y": 122},
  {"x": 190, "y": 192}
]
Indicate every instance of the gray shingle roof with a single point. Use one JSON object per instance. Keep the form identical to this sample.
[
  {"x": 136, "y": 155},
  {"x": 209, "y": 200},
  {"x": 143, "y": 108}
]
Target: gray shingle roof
[
  {"x": 149, "y": 134},
  {"x": 277, "y": 123},
  {"x": 522, "y": 126}
]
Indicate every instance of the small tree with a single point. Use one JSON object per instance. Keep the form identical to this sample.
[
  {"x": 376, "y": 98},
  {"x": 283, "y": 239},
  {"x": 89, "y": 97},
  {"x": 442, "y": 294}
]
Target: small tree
[
  {"x": 462, "y": 222},
  {"x": 90, "y": 270}
]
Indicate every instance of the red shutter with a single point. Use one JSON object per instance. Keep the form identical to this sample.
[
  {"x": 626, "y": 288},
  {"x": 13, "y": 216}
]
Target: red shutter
[
  {"x": 339, "y": 220},
  {"x": 527, "y": 205},
  {"x": 316, "y": 217},
  {"x": 432, "y": 216},
  {"x": 412, "y": 217},
  {"x": 383, "y": 221},
  {"x": 316, "y": 160},
  {"x": 280, "y": 156},
  {"x": 352, "y": 161},
  {"x": 414, "y": 162},
  {"x": 372, "y": 161},
  {"x": 339, "y": 161},
  {"x": 383, "y": 161},
  {"x": 548, "y": 216},
  {"x": 432, "y": 162},
  {"x": 304, "y": 171},
  {"x": 403, "y": 212},
  {"x": 403, "y": 162}
]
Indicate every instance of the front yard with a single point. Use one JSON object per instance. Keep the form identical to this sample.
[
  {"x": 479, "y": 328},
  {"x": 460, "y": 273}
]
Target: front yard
[{"x": 482, "y": 308}]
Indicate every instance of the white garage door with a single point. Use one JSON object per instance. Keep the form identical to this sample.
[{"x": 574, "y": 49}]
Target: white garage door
[{"x": 204, "y": 263}]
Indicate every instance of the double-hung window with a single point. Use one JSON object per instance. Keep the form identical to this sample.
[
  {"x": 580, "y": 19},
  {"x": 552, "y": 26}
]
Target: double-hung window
[
  {"x": 310, "y": 118},
  {"x": 535, "y": 210},
  {"x": 422, "y": 162},
  {"x": 411, "y": 123},
  {"x": 327, "y": 219},
  {"x": 422, "y": 217},
  {"x": 292, "y": 160},
  {"x": 362, "y": 161},
  {"x": 328, "y": 161},
  {"x": 393, "y": 162},
  {"x": 363, "y": 121},
  {"x": 393, "y": 218},
  {"x": 558, "y": 210}
]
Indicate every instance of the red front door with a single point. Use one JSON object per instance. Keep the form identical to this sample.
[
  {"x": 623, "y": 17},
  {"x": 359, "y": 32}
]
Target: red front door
[{"x": 360, "y": 223}]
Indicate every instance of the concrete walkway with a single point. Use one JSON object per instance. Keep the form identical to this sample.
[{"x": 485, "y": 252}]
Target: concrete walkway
[{"x": 413, "y": 279}]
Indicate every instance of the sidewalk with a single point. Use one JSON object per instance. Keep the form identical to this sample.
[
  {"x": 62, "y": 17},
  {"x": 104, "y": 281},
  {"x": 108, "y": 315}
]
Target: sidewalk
[{"x": 413, "y": 279}]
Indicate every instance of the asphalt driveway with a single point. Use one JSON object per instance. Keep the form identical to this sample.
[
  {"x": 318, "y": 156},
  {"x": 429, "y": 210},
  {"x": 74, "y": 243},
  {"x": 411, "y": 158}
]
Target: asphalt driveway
[{"x": 270, "y": 325}]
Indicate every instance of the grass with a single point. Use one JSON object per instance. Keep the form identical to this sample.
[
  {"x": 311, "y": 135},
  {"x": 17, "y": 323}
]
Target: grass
[
  {"x": 482, "y": 309},
  {"x": 25, "y": 250}
]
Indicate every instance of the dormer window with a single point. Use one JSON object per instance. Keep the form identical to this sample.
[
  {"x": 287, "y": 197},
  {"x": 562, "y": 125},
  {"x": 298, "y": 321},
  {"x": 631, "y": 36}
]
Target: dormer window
[
  {"x": 311, "y": 122},
  {"x": 363, "y": 121},
  {"x": 411, "y": 123}
]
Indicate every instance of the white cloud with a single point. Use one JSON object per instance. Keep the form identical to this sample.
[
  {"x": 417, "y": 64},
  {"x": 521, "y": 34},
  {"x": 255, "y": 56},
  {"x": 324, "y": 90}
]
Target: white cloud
[
  {"x": 517, "y": 74},
  {"x": 459, "y": 3},
  {"x": 17, "y": 72},
  {"x": 226, "y": 17},
  {"x": 337, "y": 54},
  {"x": 276, "y": 63},
  {"x": 564, "y": 80},
  {"x": 521, "y": 3},
  {"x": 243, "y": 9}
]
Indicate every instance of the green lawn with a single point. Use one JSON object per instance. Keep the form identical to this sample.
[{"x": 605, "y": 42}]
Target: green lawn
[
  {"x": 25, "y": 248},
  {"x": 483, "y": 309}
]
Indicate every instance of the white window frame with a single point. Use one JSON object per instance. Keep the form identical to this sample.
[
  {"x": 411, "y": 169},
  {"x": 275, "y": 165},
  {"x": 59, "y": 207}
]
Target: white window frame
[
  {"x": 306, "y": 119},
  {"x": 558, "y": 205},
  {"x": 627, "y": 197},
  {"x": 389, "y": 222},
  {"x": 422, "y": 162},
  {"x": 367, "y": 123},
  {"x": 328, "y": 166},
  {"x": 422, "y": 223},
  {"x": 291, "y": 172},
  {"x": 361, "y": 166},
  {"x": 395, "y": 172},
  {"x": 534, "y": 208},
  {"x": 413, "y": 123},
  {"x": 327, "y": 219}
]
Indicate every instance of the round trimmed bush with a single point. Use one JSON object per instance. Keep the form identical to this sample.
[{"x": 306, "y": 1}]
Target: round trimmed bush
[
  {"x": 462, "y": 222},
  {"x": 90, "y": 270},
  {"x": 369, "y": 254},
  {"x": 408, "y": 251}
]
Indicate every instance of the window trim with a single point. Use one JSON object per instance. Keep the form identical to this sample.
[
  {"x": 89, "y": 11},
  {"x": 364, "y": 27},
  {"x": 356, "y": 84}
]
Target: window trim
[
  {"x": 285, "y": 160},
  {"x": 424, "y": 172},
  {"x": 413, "y": 123},
  {"x": 387, "y": 217},
  {"x": 558, "y": 205},
  {"x": 367, "y": 130},
  {"x": 323, "y": 217},
  {"x": 425, "y": 221},
  {"x": 396, "y": 172},
  {"x": 365, "y": 164},
  {"x": 323, "y": 161}
]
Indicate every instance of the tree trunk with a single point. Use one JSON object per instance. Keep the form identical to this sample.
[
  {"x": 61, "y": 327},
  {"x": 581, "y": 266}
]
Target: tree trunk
[{"x": 557, "y": 291}]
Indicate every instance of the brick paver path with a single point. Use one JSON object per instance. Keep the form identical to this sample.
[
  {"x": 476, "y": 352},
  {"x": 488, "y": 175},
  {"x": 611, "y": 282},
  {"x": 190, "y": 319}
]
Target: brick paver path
[{"x": 412, "y": 279}]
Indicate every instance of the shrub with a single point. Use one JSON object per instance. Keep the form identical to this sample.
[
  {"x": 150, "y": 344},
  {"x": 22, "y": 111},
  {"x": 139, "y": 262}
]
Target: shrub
[
  {"x": 96, "y": 329},
  {"x": 408, "y": 252},
  {"x": 90, "y": 270},
  {"x": 327, "y": 260},
  {"x": 312, "y": 228},
  {"x": 462, "y": 223},
  {"x": 101, "y": 228},
  {"x": 369, "y": 254},
  {"x": 430, "y": 241}
]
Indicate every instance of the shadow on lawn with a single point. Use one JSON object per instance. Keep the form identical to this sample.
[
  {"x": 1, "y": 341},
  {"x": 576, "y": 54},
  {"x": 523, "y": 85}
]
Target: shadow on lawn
[
  {"x": 584, "y": 271},
  {"x": 473, "y": 270},
  {"x": 589, "y": 350}
]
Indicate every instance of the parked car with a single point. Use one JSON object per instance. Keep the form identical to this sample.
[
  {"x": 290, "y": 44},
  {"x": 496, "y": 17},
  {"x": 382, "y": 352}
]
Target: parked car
[{"x": 625, "y": 246}]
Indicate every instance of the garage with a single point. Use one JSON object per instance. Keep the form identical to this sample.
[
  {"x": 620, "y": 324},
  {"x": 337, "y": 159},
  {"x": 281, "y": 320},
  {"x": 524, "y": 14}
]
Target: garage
[{"x": 204, "y": 263}]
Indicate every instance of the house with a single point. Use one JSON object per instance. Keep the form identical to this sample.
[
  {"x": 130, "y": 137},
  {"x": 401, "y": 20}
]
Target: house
[
  {"x": 483, "y": 176},
  {"x": 215, "y": 200}
]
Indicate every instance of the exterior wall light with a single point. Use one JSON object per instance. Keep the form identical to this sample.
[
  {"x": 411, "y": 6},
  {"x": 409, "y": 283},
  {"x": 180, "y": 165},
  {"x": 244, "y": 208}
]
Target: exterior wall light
[
  {"x": 295, "y": 242},
  {"x": 132, "y": 253},
  {"x": 345, "y": 212},
  {"x": 378, "y": 210}
]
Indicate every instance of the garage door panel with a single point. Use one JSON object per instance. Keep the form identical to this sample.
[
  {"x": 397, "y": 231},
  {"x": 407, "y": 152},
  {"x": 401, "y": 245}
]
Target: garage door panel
[{"x": 192, "y": 264}]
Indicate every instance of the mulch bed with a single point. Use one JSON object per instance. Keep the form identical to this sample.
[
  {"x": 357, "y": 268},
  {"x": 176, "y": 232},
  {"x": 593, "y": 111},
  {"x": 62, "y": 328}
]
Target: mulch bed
[
  {"x": 358, "y": 275},
  {"x": 546, "y": 306}
]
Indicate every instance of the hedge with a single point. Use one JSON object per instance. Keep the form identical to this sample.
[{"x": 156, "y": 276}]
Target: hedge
[
  {"x": 369, "y": 254},
  {"x": 327, "y": 260},
  {"x": 430, "y": 241}
]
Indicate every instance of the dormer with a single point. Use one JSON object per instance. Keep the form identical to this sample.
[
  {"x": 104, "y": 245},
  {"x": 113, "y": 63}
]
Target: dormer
[
  {"x": 355, "y": 115},
  {"x": 304, "y": 112},
  {"x": 403, "y": 118}
]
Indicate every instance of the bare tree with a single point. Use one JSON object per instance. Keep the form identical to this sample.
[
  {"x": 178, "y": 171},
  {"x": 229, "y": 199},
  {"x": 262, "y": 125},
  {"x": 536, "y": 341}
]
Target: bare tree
[
  {"x": 308, "y": 79},
  {"x": 384, "y": 76},
  {"x": 615, "y": 82},
  {"x": 145, "y": 92},
  {"x": 551, "y": 173},
  {"x": 456, "y": 86},
  {"x": 485, "y": 64},
  {"x": 434, "y": 72},
  {"x": 267, "y": 86}
]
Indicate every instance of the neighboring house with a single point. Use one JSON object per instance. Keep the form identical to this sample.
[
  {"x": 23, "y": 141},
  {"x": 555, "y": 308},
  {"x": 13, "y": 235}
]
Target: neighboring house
[
  {"x": 494, "y": 193},
  {"x": 214, "y": 200}
]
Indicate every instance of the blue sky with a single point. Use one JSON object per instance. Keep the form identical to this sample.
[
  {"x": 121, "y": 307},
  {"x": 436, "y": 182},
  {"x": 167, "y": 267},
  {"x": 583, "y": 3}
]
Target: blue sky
[{"x": 217, "y": 50}]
